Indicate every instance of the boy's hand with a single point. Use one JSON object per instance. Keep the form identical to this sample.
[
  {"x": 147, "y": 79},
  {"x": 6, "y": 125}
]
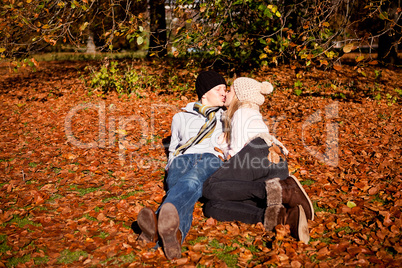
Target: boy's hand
[{"x": 220, "y": 151}]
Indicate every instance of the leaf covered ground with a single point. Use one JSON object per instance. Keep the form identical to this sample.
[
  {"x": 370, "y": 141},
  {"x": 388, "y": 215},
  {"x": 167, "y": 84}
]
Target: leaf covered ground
[{"x": 77, "y": 166}]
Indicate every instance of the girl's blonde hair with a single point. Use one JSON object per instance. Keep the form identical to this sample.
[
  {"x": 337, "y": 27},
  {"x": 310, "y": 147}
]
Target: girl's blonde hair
[
  {"x": 234, "y": 105},
  {"x": 227, "y": 120}
]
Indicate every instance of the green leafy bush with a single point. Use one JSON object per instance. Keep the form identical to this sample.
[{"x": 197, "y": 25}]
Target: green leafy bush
[{"x": 126, "y": 80}]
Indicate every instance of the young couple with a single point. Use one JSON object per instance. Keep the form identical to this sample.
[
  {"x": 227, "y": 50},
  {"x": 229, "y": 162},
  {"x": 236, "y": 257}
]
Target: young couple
[{"x": 253, "y": 186}]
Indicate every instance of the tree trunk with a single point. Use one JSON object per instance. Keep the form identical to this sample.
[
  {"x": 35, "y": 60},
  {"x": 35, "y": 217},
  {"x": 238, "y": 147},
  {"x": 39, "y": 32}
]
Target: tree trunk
[
  {"x": 387, "y": 51},
  {"x": 158, "y": 36},
  {"x": 388, "y": 42}
]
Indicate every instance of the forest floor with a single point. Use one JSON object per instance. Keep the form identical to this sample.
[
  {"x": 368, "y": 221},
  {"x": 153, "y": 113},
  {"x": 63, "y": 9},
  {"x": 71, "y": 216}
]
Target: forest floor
[{"x": 76, "y": 167}]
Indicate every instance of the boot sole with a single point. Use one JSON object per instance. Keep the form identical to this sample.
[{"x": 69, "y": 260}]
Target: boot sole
[
  {"x": 146, "y": 222},
  {"x": 168, "y": 226},
  {"x": 302, "y": 228},
  {"x": 305, "y": 194}
]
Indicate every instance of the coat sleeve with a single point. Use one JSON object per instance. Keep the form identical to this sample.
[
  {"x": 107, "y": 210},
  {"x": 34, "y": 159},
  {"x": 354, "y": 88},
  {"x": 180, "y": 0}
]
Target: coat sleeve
[{"x": 175, "y": 137}]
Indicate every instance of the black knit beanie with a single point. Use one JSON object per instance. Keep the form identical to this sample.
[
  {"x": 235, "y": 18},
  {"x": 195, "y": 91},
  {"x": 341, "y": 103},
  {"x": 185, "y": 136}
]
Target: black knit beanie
[{"x": 206, "y": 81}]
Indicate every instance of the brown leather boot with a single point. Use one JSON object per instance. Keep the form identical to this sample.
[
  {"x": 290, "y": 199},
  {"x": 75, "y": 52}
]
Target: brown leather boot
[
  {"x": 147, "y": 222},
  {"x": 293, "y": 194},
  {"x": 168, "y": 228}
]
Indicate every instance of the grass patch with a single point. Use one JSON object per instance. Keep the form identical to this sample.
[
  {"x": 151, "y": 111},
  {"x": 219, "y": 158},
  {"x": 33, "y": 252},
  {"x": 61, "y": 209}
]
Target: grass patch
[
  {"x": 250, "y": 247},
  {"x": 126, "y": 226},
  {"x": 6, "y": 159},
  {"x": 320, "y": 209},
  {"x": 197, "y": 240},
  {"x": 378, "y": 199},
  {"x": 41, "y": 260},
  {"x": 3, "y": 244},
  {"x": 102, "y": 235},
  {"x": 84, "y": 191},
  {"x": 76, "y": 56},
  {"x": 313, "y": 258},
  {"x": 56, "y": 170},
  {"x": 97, "y": 209},
  {"x": 14, "y": 261},
  {"x": 67, "y": 256},
  {"x": 128, "y": 258},
  {"x": 325, "y": 240},
  {"x": 347, "y": 230},
  {"x": 86, "y": 215},
  {"x": 20, "y": 222},
  {"x": 222, "y": 252},
  {"x": 3, "y": 238},
  {"x": 54, "y": 197},
  {"x": 32, "y": 164},
  {"x": 307, "y": 182},
  {"x": 122, "y": 196}
]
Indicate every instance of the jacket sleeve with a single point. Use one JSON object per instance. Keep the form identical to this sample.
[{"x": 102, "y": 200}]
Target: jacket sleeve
[{"x": 175, "y": 137}]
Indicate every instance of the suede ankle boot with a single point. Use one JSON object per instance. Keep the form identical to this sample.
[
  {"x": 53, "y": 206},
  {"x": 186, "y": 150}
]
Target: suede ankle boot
[
  {"x": 277, "y": 194},
  {"x": 297, "y": 221},
  {"x": 294, "y": 217},
  {"x": 168, "y": 228},
  {"x": 147, "y": 222}
]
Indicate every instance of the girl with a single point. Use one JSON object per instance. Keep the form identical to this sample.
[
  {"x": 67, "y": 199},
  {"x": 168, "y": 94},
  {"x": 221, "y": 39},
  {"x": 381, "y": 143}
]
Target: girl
[{"x": 254, "y": 185}]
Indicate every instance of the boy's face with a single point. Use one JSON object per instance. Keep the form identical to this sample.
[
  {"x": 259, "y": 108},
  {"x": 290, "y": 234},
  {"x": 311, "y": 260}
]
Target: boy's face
[{"x": 215, "y": 96}]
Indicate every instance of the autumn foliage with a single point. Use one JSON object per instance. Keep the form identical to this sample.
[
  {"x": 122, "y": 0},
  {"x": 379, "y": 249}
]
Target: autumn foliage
[{"x": 71, "y": 189}]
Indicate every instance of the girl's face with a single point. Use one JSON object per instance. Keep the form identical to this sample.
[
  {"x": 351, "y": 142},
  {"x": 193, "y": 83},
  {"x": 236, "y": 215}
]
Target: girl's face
[{"x": 229, "y": 96}]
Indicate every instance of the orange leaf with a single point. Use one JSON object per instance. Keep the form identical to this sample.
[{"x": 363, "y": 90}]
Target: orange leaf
[
  {"x": 180, "y": 261},
  {"x": 281, "y": 231},
  {"x": 337, "y": 67},
  {"x": 373, "y": 190},
  {"x": 211, "y": 222}
]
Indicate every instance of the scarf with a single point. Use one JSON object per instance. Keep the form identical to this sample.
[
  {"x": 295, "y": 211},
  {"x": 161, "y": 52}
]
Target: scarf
[{"x": 205, "y": 131}]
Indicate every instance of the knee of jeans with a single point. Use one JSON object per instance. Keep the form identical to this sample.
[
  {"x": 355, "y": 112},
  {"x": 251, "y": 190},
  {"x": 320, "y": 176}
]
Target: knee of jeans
[{"x": 193, "y": 185}]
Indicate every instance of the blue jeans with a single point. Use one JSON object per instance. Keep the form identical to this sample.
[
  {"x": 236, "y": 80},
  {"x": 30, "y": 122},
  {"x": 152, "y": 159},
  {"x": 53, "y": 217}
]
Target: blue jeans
[{"x": 186, "y": 176}]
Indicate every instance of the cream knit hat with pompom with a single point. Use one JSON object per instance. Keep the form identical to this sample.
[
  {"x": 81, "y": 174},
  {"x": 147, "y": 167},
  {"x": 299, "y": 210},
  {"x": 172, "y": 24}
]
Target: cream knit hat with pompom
[{"x": 248, "y": 89}]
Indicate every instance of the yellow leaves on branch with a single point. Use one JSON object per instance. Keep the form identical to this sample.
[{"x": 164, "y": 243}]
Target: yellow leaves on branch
[{"x": 274, "y": 10}]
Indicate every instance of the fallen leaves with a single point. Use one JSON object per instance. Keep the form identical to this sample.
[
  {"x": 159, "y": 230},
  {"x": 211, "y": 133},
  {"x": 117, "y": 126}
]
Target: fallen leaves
[{"x": 59, "y": 201}]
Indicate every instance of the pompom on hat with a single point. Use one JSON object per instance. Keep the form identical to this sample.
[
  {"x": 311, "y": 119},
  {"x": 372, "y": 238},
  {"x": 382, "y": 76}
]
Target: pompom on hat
[
  {"x": 250, "y": 90},
  {"x": 206, "y": 81}
]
